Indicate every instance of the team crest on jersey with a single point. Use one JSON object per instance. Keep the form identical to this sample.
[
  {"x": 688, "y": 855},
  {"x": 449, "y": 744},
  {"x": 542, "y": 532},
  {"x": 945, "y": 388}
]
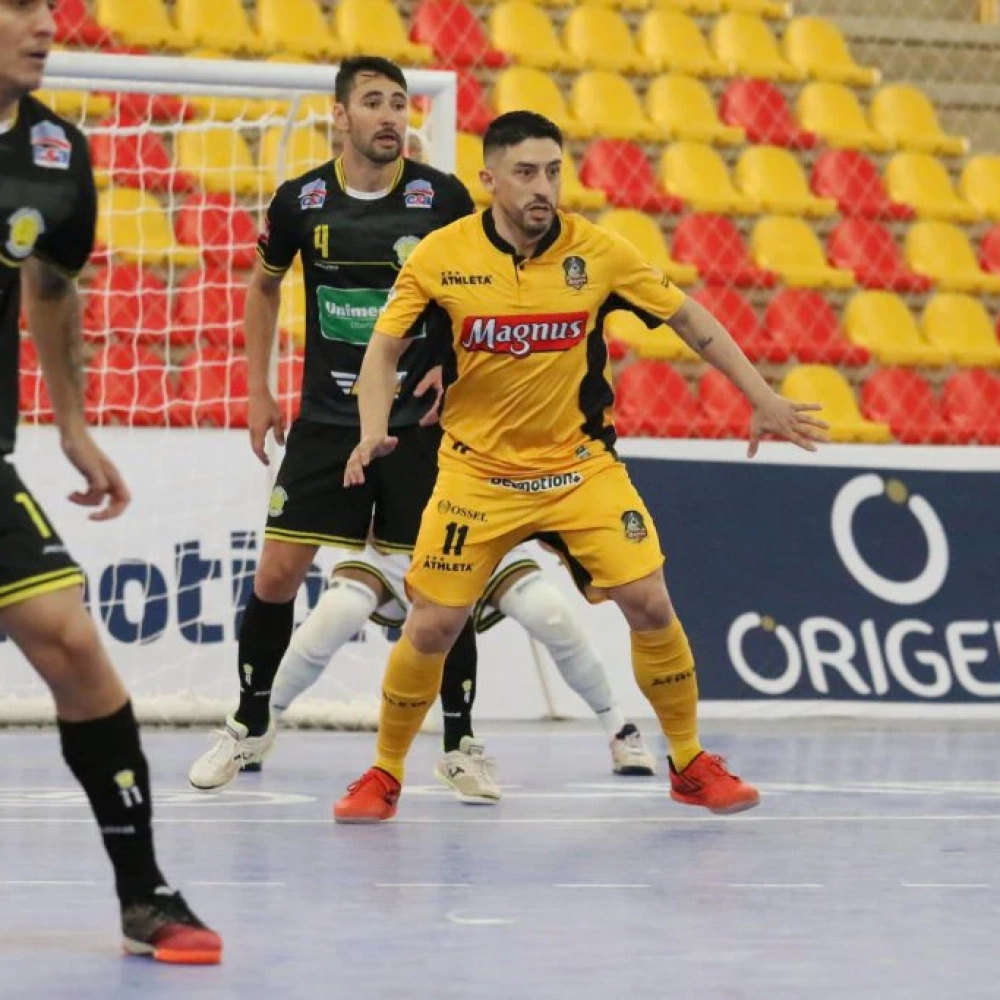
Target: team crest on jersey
[
  {"x": 25, "y": 226},
  {"x": 313, "y": 194},
  {"x": 50, "y": 147},
  {"x": 575, "y": 271},
  {"x": 404, "y": 246},
  {"x": 419, "y": 194},
  {"x": 634, "y": 525},
  {"x": 279, "y": 497}
]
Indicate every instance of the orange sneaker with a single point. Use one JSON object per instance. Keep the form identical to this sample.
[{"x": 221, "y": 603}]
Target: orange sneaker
[
  {"x": 162, "y": 926},
  {"x": 371, "y": 799},
  {"x": 707, "y": 782}
]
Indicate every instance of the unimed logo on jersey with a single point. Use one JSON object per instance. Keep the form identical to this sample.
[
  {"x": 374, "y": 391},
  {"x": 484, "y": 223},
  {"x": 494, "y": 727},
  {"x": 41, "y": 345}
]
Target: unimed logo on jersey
[{"x": 524, "y": 335}]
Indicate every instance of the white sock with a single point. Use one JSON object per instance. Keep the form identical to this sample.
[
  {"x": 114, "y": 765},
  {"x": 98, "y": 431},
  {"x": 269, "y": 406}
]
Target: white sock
[
  {"x": 339, "y": 615},
  {"x": 540, "y": 608}
]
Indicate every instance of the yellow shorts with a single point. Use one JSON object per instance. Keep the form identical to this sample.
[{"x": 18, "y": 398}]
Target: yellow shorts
[{"x": 592, "y": 514}]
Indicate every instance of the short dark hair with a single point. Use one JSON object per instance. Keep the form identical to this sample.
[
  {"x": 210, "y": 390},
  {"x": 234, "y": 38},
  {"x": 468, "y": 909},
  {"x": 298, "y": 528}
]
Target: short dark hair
[
  {"x": 351, "y": 68},
  {"x": 516, "y": 126}
]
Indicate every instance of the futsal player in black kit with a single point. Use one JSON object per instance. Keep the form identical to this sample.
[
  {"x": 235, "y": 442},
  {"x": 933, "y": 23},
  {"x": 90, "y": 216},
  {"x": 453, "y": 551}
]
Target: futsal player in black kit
[{"x": 47, "y": 221}]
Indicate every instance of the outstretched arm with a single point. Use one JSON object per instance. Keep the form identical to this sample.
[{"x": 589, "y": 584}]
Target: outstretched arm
[{"x": 53, "y": 309}]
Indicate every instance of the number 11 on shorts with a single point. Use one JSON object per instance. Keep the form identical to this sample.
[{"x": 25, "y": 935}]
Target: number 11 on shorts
[{"x": 454, "y": 538}]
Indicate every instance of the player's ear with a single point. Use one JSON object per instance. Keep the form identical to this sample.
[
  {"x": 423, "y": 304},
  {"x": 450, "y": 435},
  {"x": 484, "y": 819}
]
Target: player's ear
[
  {"x": 486, "y": 178},
  {"x": 340, "y": 120}
]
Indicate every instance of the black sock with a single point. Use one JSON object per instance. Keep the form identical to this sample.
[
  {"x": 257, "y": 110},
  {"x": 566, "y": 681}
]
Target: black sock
[
  {"x": 458, "y": 687},
  {"x": 264, "y": 637},
  {"x": 106, "y": 758}
]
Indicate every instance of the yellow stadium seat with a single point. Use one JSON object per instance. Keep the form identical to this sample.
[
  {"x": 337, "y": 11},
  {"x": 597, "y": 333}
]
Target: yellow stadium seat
[
  {"x": 140, "y": 22},
  {"x": 683, "y": 107},
  {"x": 641, "y": 230},
  {"x": 921, "y": 181},
  {"x": 790, "y": 247},
  {"x": 762, "y": 8},
  {"x": 980, "y": 184},
  {"x": 672, "y": 42},
  {"x": 75, "y": 104},
  {"x": 942, "y": 252},
  {"x": 961, "y": 325},
  {"x": 468, "y": 163},
  {"x": 695, "y": 172},
  {"x": 816, "y": 46},
  {"x": 374, "y": 27},
  {"x": 225, "y": 109},
  {"x": 600, "y": 38},
  {"x": 544, "y": 3},
  {"x": 220, "y": 158},
  {"x": 297, "y": 26},
  {"x": 881, "y": 322},
  {"x": 907, "y": 119},
  {"x": 660, "y": 342},
  {"x": 218, "y": 24},
  {"x": 317, "y": 108},
  {"x": 618, "y": 4},
  {"x": 609, "y": 105},
  {"x": 773, "y": 177},
  {"x": 574, "y": 195},
  {"x": 823, "y": 384},
  {"x": 523, "y": 30},
  {"x": 307, "y": 148},
  {"x": 134, "y": 227},
  {"x": 833, "y": 113},
  {"x": 522, "y": 87},
  {"x": 704, "y": 7},
  {"x": 747, "y": 48}
]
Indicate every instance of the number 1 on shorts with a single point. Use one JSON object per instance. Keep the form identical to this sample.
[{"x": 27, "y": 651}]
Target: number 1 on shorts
[
  {"x": 28, "y": 503},
  {"x": 454, "y": 538}
]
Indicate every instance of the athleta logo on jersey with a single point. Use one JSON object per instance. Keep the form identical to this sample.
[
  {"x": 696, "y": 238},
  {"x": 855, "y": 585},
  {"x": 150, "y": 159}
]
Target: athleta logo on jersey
[
  {"x": 50, "y": 147},
  {"x": 520, "y": 336}
]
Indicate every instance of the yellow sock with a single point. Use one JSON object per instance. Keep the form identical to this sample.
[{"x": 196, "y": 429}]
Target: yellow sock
[
  {"x": 411, "y": 683},
  {"x": 664, "y": 671}
]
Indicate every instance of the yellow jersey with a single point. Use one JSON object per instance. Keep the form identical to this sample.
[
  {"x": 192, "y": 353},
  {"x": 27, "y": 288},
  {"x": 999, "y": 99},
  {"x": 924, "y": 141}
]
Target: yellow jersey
[{"x": 532, "y": 380}]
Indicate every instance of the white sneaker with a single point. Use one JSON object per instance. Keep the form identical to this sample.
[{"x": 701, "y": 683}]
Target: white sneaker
[
  {"x": 469, "y": 773},
  {"x": 629, "y": 756},
  {"x": 232, "y": 750}
]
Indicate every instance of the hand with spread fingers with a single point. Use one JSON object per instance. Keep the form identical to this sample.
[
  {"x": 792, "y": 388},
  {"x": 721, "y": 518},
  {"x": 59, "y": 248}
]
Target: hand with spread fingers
[
  {"x": 787, "y": 419},
  {"x": 364, "y": 454}
]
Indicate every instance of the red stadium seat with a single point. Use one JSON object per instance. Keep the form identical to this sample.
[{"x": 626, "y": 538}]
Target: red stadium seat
[
  {"x": 290, "y": 369},
  {"x": 868, "y": 249},
  {"x": 127, "y": 302},
  {"x": 620, "y": 169},
  {"x": 853, "y": 181},
  {"x": 221, "y": 227},
  {"x": 455, "y": 34},
  {"x": 211, "y": 390},
  {"x": 903, "y": 399},
  {"x": 760, "y": 109},
  {"x": 713, "y": 244},
  {"x": 474, "y": 111},
  {"x": 971, "y": 401},
  {"x": 738, "y": 317},
  {"x": 127, "y": 384},
  {"x": 153, "y": 107},
  {"x": 989, "y": 251},
  {"x": 653, "y": 400},
  {"x": 133, "y": 156},
  {"x": 208, "y": 308},
  {"x": 803, "y": 320},
  {"x": 724, "y": 405},
  {"x": 74, "y": 26}
]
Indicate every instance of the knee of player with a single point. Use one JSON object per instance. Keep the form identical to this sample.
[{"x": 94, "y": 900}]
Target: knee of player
[
  {"x": 433, "y": 629},
  {"x": 540, "y": 608},
  {"x": 71, "y": 651},
  {"x": 275, "y": 584},
  {"x": 646, "y": 608}
]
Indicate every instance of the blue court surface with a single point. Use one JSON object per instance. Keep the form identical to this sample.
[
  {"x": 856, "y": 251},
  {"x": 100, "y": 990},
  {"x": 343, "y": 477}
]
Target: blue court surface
[{"x": 869, "y": 870}]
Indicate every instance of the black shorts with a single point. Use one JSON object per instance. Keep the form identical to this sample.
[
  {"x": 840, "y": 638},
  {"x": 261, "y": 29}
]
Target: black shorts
[
  {"x": 310, "y": 505},
  {"x": 33, "y": 559}
]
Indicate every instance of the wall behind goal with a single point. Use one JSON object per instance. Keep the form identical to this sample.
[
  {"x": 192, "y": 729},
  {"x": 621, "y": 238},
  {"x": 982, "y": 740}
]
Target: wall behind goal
[{"x": 860, "y": 580}]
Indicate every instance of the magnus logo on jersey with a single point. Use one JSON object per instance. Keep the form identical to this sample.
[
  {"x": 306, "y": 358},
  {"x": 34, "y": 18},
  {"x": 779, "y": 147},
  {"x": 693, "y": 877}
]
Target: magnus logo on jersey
[
  {"x": 313, "y": 194},
  {"x": 50, "y": 147},
  {"x": 418, "y": 194},
  {"x": 520, "y": 336}
]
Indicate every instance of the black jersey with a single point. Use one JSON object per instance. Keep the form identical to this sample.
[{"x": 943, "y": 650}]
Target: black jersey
[
  {"x": 48, "y": 208},
  {"x": 352, "y": 249}
]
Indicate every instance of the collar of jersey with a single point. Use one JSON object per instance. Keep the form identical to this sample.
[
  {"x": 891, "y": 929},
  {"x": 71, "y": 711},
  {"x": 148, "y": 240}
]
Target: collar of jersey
[
  {"x": 338, "y": 169},
  {"x": 490, "y": 228}
]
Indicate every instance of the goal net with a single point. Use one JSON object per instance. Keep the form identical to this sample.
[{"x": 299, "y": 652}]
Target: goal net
[{"x": 187, "y": 153}]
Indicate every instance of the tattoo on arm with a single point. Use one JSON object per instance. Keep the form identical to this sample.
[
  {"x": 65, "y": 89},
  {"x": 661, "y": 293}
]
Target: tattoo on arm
[
  {"x": 702, "y": 343},
  {"x": 53, "y": 284},
  {"x": 59, "y": 291}
]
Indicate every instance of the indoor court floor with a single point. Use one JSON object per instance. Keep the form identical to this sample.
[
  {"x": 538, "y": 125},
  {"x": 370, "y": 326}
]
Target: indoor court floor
[{"x": 870, "y": 869}]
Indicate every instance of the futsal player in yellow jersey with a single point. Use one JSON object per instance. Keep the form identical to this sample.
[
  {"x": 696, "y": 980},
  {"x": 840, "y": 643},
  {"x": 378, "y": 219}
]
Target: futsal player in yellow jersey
[{"x": 529, "y": 445}]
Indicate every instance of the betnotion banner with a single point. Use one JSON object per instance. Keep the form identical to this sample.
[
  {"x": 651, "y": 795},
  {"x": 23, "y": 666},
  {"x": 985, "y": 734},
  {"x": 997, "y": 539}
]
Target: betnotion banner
[{"x": 863, "y": 580}]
